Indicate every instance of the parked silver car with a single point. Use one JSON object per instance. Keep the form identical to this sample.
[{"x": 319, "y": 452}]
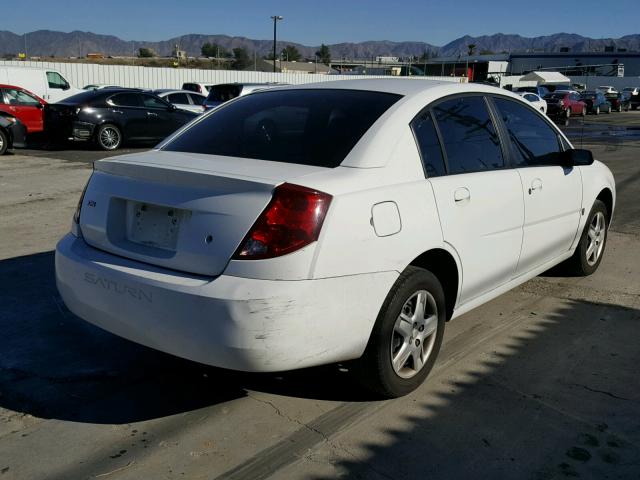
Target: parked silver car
[
  {"x": 183, "y": 99},
  {"x": 224, "y": 92}
]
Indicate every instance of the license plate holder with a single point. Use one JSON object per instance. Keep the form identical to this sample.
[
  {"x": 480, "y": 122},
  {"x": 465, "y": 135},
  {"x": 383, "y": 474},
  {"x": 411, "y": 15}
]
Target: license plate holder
[{"x": 153, "y": 225}]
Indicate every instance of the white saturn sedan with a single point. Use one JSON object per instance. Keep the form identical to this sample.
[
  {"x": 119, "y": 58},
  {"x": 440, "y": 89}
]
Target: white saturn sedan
[{"x": 346, "y": 220}]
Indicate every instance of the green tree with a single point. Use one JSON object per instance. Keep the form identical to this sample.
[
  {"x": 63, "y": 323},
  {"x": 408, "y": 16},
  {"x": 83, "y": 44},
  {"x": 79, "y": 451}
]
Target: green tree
[
  {"x": 213, "y": 50},
  {"x": 425, "y": 56},
  {"x": 241, "y": 59},
  {"x": 324, "y": 54},
  {"x": 471, "y": 48},
  {"x": 291, "y": 54},
  {"x": 146, "y": 53}
]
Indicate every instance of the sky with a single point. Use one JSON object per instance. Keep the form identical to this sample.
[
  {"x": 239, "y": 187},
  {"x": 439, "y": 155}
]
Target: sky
[{"x": 329, "y": 21}]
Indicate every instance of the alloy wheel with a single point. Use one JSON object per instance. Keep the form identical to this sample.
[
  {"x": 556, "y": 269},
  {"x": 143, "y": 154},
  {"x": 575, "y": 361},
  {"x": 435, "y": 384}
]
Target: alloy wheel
[
  {"x": 110, "y": 138},
  {"x": 596, "y": 235},
  {"x": 414, "y": 334}
]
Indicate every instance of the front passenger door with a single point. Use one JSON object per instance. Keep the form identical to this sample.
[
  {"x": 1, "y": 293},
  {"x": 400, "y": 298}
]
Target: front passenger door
[
  {"x": 160, "y": 118},
  {"x": 552, "y": 194}
]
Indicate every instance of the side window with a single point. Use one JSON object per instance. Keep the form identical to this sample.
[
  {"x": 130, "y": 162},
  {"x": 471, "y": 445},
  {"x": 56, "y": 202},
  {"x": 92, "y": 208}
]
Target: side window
[
  {"x": 535, "y": 142},
  {"x": 126, "y": 100},
  {"x": 18, "y": 97},
  {"x": 470, "y": 139},
  {"x": 197, "y": 99},
  {"x": 153, "y": 102},
  {"x": 180, "y": 98},
  {"x": 55, "y": 80},
  {"x": 2, "y": 101},
  {"x": 428, "y": 143}
]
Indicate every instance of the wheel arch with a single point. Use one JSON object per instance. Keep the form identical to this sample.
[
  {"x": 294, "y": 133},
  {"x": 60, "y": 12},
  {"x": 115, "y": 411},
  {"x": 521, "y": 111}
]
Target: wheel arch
[
  {"x": 444, "y": 266},
  {"x": 606, "y": 197}
]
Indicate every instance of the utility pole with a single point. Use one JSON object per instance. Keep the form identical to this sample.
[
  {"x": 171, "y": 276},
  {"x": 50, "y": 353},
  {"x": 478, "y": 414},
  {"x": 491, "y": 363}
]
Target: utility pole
[
  {"x": 26, "y": 55},
  {"x": 275, "y": 19}
]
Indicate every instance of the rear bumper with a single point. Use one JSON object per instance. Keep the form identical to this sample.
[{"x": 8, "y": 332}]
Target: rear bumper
[{"x": 230, "y": 322}]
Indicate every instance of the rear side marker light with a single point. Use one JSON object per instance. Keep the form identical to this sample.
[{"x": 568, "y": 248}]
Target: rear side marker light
[{"x": 292, "y": 220}]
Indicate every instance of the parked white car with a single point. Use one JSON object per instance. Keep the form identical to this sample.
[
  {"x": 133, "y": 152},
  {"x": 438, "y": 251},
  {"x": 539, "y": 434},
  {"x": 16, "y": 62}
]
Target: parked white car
[
  {"x": 49, "y": 85},
  {"x": 183, "y": 99},
  {"x": 608, "y": 90},
  {"x": 99, "y": 86},
  {"x": 392, "y": 207},
  {"x": 536, "y": 100},
  {"x": 201, "y": 88}
]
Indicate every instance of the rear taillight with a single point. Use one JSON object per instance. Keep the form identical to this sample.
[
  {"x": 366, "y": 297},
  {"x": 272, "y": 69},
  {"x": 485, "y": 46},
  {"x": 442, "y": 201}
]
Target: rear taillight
[{"x": 292, "y": 220}]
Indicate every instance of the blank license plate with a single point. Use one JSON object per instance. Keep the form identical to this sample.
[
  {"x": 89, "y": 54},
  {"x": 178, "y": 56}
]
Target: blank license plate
[{"x": 153, "y": 225}]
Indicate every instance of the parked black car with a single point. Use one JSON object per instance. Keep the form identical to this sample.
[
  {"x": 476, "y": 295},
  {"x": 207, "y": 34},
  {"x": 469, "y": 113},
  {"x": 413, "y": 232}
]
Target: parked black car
[
  {"x": 596, "y": 102},
  {"x": 13, "y": 133},
  {"x": 110, "y": 117},
  {"x": 619, "y": 101}
]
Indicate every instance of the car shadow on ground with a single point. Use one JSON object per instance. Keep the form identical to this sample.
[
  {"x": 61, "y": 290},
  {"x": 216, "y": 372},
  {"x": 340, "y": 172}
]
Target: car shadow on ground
[
  {"x": 558, "y": 399},
  {"x": 55, "y": 365}
]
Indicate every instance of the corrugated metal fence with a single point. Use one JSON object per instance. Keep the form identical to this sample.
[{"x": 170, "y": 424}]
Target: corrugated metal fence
[{"x": 81, "y": 74}]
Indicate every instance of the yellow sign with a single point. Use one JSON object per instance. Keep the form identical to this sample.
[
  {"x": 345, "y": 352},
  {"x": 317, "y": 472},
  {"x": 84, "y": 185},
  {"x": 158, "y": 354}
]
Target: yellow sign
[{"x": 22, "y": 56}]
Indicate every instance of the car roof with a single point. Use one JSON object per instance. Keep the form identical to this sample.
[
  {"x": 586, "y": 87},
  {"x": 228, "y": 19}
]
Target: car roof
[{"x": 165, "y": 91}]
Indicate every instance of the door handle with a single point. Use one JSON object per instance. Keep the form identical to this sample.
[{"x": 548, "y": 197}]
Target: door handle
[
  {"x": 462, "y": 195},
  {"x": 151, "y": 114},
  {"x": 536, "y": 185},
  {"x": 116, "y": 111}
]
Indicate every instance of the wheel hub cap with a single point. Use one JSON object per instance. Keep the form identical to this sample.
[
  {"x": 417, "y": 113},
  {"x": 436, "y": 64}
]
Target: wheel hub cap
[
  {"x": 596, "y": 236},
  {"x": 414, "y": 334}
]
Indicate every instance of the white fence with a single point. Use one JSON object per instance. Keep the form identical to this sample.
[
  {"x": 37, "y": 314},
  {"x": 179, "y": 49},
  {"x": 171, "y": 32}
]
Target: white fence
[{"x": 81, "y": 74}]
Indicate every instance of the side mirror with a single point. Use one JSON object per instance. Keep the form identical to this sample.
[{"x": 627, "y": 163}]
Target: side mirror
[
  {"x": 66, "y": 86},
  {"x": 576, "y": 157},
  {"x": 40, "y": 106},
  {"x": 172, "y": 107}
]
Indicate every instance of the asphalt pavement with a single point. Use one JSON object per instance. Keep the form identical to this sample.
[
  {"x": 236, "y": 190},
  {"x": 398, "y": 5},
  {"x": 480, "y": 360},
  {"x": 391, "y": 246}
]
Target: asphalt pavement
[{"x": 540, "y": 383}]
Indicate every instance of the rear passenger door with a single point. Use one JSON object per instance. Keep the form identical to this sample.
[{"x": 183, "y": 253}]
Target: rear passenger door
[
  {"x": 479, "y": 199},
  {"x": 552, "y": 194}
]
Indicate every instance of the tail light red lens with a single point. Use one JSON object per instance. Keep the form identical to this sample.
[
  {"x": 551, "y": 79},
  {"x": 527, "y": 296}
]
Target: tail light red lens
[{"x": 292, "y": 220}]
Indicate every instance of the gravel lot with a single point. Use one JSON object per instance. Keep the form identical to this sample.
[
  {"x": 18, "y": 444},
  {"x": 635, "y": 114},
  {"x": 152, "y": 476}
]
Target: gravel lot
[{"x": 540, "y": 383}]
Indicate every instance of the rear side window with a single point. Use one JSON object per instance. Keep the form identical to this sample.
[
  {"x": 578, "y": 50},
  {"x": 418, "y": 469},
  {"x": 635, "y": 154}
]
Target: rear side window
[
  {"x": 469, "y": 136},
  {"x": 190, "y": 86},
  {"x": 310, "y": 127},
  {"x": 18, "y": 97},
  {"x": 534, "y": 141},
  {"x": 126, "y": 100},
  {"x": 197, "y": 99},
  {"x": 427, "y": 138},
  {"x": 180, "y": 98}
]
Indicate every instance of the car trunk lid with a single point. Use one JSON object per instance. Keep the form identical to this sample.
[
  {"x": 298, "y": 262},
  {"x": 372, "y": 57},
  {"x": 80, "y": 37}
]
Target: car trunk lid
[{"x": 187, "y": 212}]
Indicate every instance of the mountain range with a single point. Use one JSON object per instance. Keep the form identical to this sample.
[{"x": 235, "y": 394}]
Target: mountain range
[{"x": 62, "y": 44}]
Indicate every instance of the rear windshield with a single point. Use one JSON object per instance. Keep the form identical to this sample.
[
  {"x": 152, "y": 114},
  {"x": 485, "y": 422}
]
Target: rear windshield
[
  {"x": 310, "y": 127},
  {"x": 223, "y": 93}
]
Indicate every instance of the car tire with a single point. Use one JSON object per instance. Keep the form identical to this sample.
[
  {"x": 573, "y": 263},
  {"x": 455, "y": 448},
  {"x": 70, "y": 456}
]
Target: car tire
[
  {"x": 4, "y": 143},
  {"x": 403, "y": 345},
  {"x": 597, "y": 110},
  {"x": 609, "y": 109},
  {"x": 584, "y": 260},
  {"x": 567, "y": 113},
  {"x": 619, "y": 108},
  {"x": 584, "y": 111},
  {"x": 109, "y": 137}
]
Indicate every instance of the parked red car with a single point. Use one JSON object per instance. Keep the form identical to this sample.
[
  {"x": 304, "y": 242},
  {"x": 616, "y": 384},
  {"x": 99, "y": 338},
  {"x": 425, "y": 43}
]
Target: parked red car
[
  {"x": 24, "y": 105},
  {"x": 565, "y": 104}
]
